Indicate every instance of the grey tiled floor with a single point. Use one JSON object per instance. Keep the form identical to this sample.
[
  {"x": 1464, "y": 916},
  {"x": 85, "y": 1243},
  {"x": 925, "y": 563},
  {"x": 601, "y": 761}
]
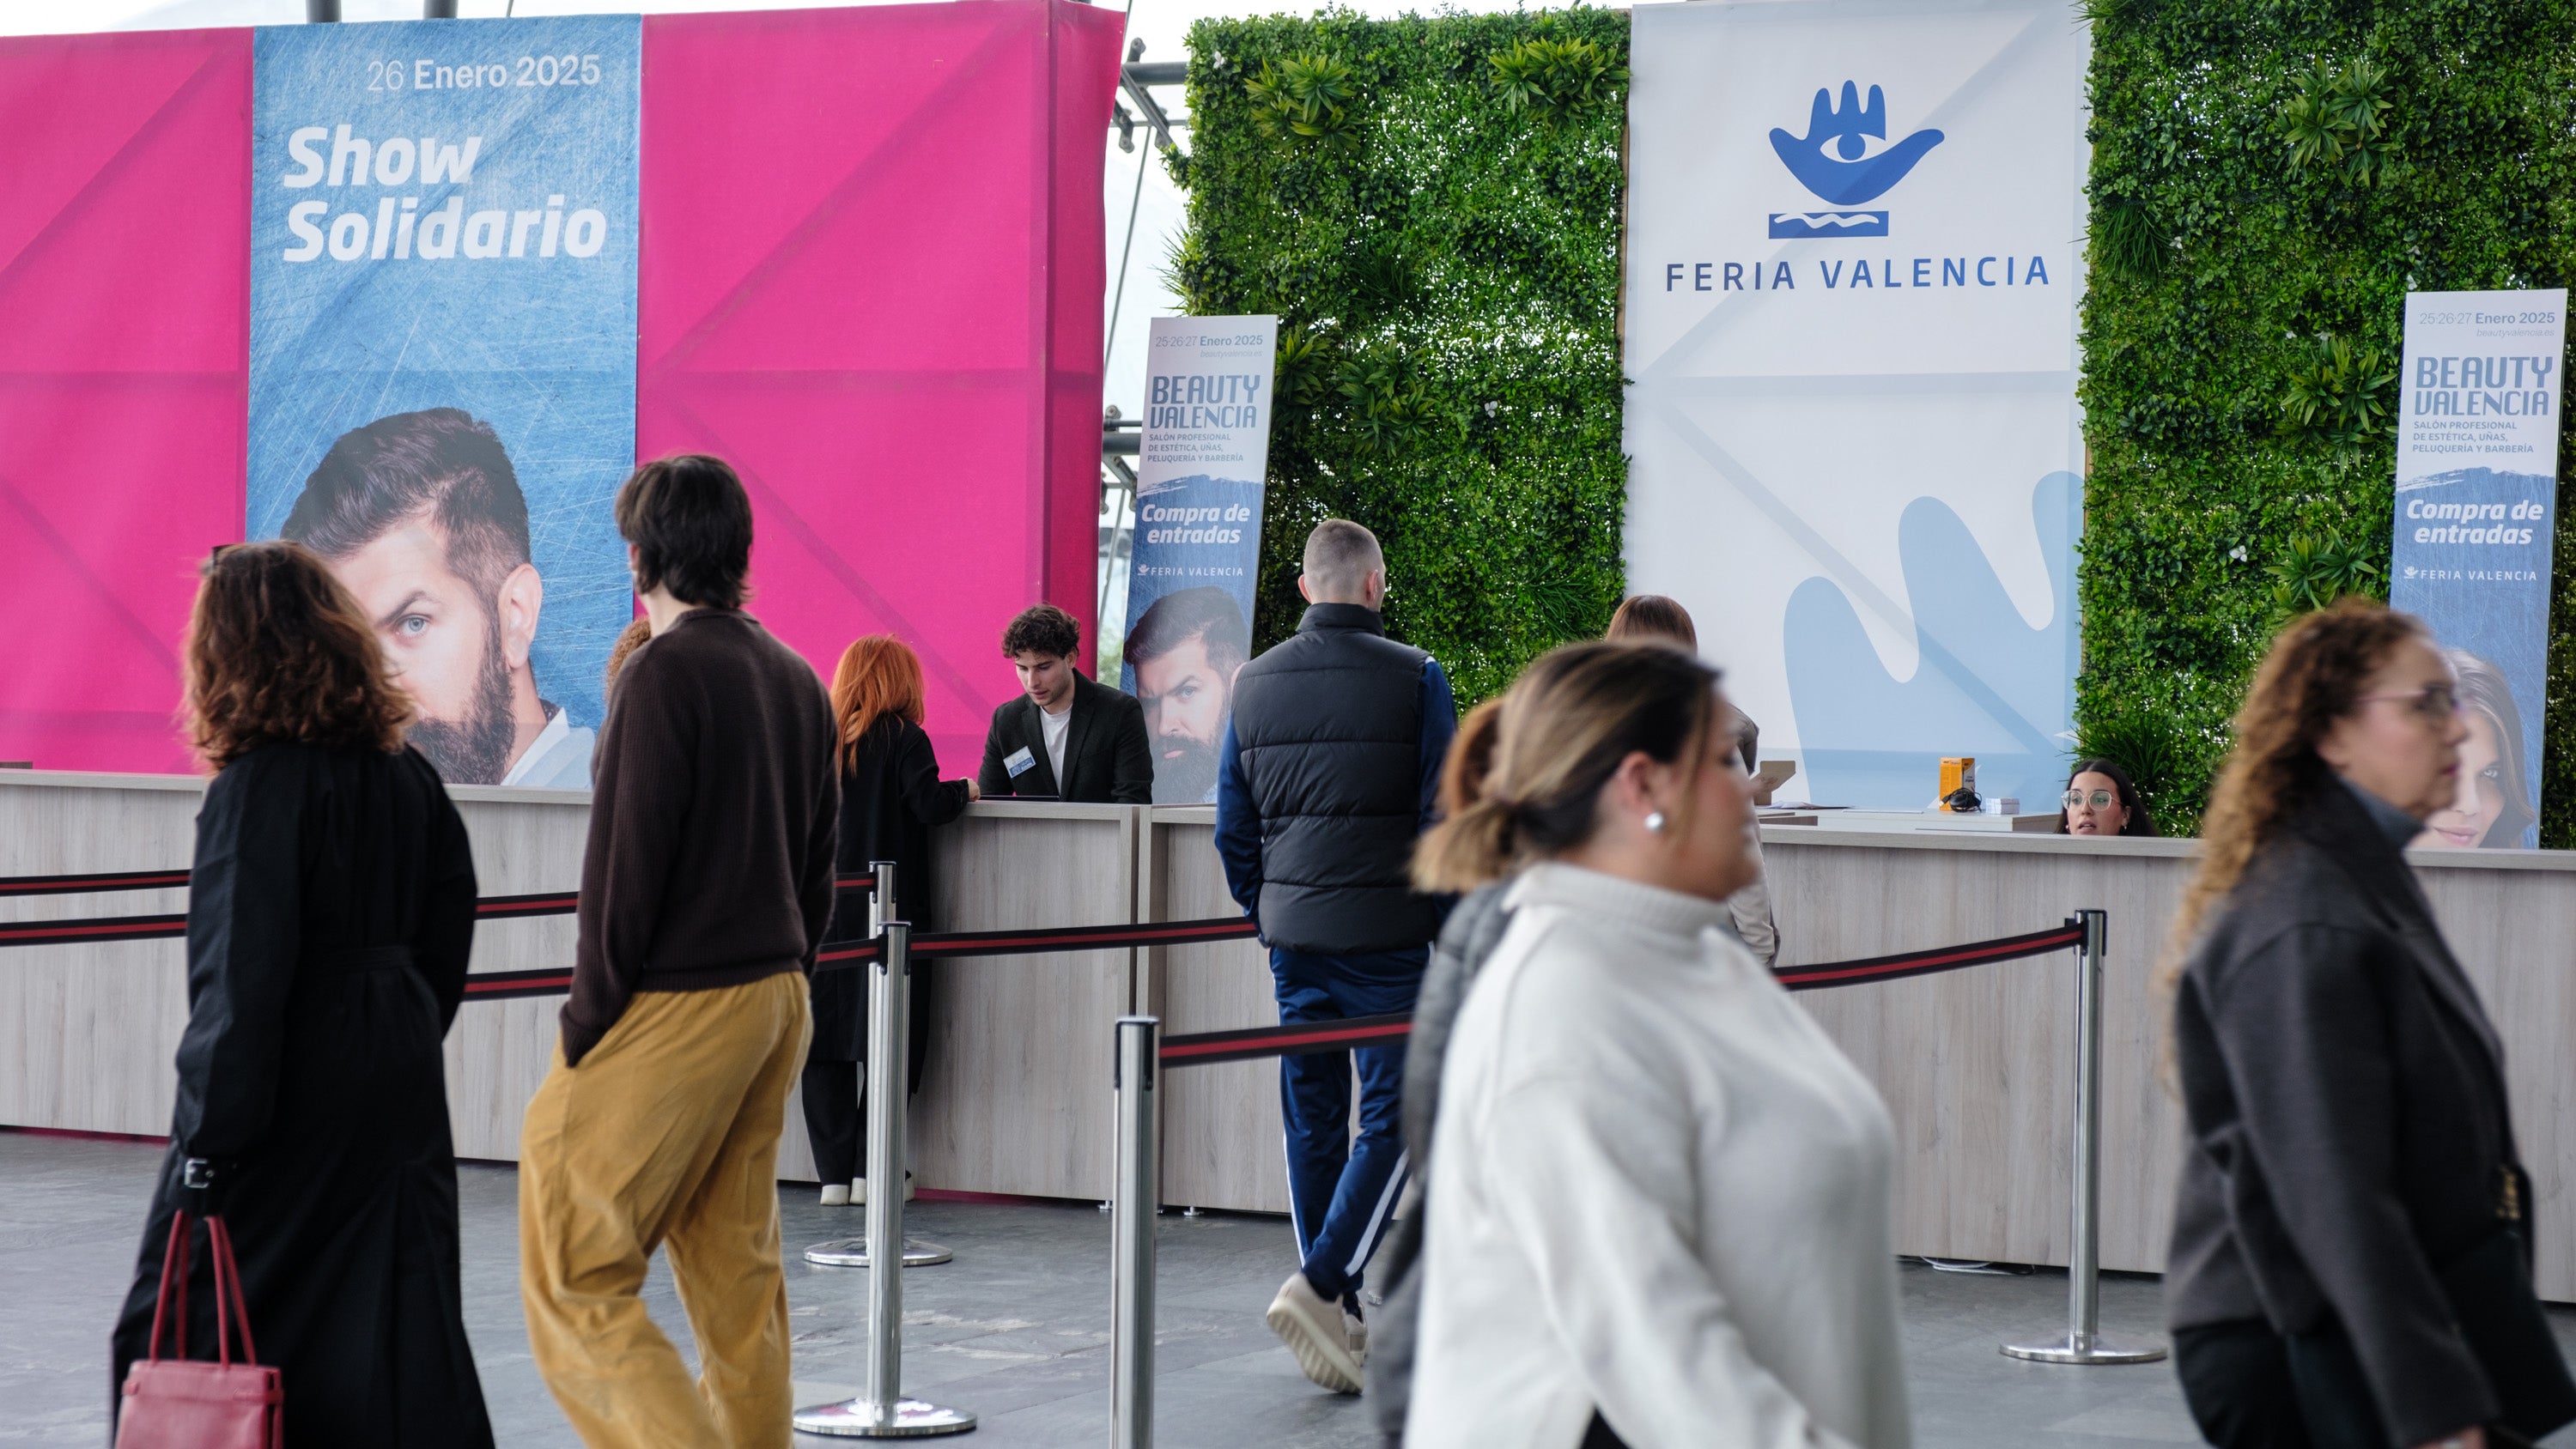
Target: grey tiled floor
[{"x": 1016, "y": 1329}]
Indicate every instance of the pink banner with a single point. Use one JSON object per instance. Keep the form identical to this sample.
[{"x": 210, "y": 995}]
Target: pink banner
[
  {"x": 872, "y": 272},
  {"x": 871, "y": 291},
  {"x": 124, "y": 276}
]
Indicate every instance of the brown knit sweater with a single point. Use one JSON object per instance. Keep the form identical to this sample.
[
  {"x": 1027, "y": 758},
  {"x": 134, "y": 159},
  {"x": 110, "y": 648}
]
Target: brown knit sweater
[{"x": 712, "y": 814}]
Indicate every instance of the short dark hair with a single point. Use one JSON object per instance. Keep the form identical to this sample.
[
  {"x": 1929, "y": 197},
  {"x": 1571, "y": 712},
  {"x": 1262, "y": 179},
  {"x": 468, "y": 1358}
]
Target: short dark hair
[
  {"x": 442, "y": 463},
  {"x": 1042, "y": 629},
  {"x": 1207, "y": 612},
  {"x": 690, "y": 522}
]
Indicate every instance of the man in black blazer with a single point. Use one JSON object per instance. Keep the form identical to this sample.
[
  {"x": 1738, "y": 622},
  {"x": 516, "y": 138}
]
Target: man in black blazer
[{"x": 1064, "y": 736}]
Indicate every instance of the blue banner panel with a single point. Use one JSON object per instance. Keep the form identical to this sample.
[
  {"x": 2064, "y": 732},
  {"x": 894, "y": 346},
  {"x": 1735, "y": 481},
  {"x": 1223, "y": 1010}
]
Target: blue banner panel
[
  {"x": 2477, "y": 487},
  {"x": 442, "y": 358},
  {"x": 1199, "y": 481}
]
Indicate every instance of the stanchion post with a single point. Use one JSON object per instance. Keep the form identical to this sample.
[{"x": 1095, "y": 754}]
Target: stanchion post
[
  {"x": 2084, "y": 1342},
  {"x": 881, "y": 902},
  {"x": 884, "y": 1413},
  {"x": 1134, "y": 1192},
  {"x": 853, "y": 1252}
]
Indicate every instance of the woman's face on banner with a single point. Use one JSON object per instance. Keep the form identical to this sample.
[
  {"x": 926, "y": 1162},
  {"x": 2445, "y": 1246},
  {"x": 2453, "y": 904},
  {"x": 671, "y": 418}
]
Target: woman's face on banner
[{"x": 2464, "y": 823}]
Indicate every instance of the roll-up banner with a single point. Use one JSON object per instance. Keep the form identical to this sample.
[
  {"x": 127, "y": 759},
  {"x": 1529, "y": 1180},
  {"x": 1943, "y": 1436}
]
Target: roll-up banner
[
  {"x": 1852, "y": 284},
  {"x": 1199, "y": 483},
  {"x": 442, "y": 358},
  {"x": 2477, "y": 487}
]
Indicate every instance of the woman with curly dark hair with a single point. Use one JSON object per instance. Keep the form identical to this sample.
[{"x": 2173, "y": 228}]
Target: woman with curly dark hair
[
  {"x": 330, "y": 911},
  {"x": 2351, "y": 1249}
]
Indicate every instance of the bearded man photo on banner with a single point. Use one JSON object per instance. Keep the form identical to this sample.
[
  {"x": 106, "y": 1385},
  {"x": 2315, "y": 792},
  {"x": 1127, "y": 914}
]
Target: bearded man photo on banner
[
  {"x": 1186, "y": 649},
  {"x": 421, "y": 516}
]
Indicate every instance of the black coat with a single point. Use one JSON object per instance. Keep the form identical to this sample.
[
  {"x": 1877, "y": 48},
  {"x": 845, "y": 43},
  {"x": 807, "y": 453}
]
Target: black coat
[
  {"x": 2349, "y": 1134},
  {"x": 1330, "y": 742},
  {"x": 891, "y": 797},
  {"x": 1107, "y": 758},
  {"x": 329, "y": 918}
]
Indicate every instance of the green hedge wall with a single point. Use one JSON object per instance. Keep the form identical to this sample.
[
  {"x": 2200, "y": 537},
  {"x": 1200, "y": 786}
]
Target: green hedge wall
[
  {"x": 1439, "y": 235},
  {"x": 1432, "y": 206},
  {"x": 2269, "y": 179}
]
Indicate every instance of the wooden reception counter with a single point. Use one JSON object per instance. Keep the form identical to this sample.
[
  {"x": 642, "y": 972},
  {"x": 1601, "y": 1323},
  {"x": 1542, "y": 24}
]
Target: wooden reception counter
[{"x": 1976, "y": 1065}]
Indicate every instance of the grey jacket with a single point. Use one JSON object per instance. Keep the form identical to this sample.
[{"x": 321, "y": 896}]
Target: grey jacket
[
  {"x": 1474, "y": 929},
  {"x": 2348, "y": 1131}
]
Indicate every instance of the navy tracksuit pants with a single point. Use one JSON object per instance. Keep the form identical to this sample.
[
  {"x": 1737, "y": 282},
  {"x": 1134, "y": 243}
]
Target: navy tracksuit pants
[{"x": 1342, "y": 1193}]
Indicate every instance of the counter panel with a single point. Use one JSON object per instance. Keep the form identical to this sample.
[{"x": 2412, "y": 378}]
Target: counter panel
[{"x": 1976, "y": 1066}]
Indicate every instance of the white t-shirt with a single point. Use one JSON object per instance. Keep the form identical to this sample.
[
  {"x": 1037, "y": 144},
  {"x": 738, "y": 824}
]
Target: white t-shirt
[{"x": 1055, "y": 727}]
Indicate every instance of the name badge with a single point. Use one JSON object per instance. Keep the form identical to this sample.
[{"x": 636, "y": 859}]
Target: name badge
[{"x": 1019, "y": 762}]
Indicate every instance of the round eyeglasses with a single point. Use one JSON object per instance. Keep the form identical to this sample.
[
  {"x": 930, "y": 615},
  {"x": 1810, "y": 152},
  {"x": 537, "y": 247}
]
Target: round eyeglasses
[{"x": 2099, "y": 799}]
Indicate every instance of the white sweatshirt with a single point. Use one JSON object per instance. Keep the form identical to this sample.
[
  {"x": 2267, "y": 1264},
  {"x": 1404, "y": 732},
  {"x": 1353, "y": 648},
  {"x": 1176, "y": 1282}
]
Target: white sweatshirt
[{"x": 1657, "y": 1190}]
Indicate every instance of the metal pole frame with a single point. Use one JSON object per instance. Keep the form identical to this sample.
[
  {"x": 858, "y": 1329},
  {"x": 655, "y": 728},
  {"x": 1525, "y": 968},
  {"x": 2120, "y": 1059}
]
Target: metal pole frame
[
  {"x": 883, "y": 1412},
  {"x": 2084, "y": 1342},
  {"x": 853, "y": 1252},
  {"x": 1135, "y": 1196}
]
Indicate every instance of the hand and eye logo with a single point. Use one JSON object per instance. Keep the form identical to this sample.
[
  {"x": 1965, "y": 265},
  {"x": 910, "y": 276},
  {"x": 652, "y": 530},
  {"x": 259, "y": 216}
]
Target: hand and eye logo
[
  {"x": 1832, "y": 161},
  {"x": 1847, "y": 177}
]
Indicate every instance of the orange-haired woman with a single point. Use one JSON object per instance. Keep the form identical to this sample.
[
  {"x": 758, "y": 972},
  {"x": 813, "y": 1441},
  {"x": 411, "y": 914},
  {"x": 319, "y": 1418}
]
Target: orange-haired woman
[{"x": 891, "y": 797}]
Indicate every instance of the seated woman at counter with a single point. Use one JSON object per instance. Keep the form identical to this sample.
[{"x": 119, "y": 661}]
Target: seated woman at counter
[
  {"x": 2101, "y": 801},
  {"x": 891, "y": 797}
]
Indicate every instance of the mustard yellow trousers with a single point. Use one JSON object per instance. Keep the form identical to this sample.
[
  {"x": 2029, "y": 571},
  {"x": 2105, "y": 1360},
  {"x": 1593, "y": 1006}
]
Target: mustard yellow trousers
[{"x": 666, "y": 1136}]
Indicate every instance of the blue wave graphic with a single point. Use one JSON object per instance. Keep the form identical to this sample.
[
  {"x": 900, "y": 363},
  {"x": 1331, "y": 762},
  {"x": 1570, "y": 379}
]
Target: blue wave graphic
[
  {"x": 1797, "y": 224},
  {"x": 1987, "y": 684}
]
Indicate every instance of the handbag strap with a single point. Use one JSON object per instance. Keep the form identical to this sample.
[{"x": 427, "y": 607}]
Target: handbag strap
[
  {"x": 174, "y": 1271},
  {"x": 228, "y": 1293}
]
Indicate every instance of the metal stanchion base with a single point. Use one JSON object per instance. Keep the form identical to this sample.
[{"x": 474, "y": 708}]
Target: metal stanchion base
[
  {"x": 853, "y": 1253},
  {"x": 2099, "y": 1348},
  {"x": 859, "y": 1419}
]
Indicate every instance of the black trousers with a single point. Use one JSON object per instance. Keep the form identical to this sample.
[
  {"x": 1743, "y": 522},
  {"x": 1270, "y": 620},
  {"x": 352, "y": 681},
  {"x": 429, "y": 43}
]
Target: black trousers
[
  {"x": 2252, "y": 1388},
  {"x": 834, "y": 1124}
]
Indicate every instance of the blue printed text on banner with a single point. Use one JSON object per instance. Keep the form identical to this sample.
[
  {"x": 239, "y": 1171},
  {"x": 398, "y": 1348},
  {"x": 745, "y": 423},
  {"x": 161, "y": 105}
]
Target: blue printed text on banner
[
  {"x": 2477, "y": 487},
  {"x": 1200, "y": 466}
]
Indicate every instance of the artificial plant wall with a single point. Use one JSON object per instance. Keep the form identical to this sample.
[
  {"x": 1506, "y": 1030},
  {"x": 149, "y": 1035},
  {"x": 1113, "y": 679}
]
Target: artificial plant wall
[
  {"x": 2269, "y": 180},
  {"x": 1432, "y": 209}
]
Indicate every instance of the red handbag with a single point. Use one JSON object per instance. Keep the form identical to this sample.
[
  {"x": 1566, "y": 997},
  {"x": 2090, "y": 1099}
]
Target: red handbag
[{"x": 182, "y": 1403}]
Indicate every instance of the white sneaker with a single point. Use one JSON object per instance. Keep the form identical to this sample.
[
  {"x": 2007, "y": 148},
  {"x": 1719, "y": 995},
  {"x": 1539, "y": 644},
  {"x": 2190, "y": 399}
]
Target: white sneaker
[
  {"x": 859, "y": 1191},
  {"x": 1314, "y": 1331},
  {"x": 836, "y": 1194}
]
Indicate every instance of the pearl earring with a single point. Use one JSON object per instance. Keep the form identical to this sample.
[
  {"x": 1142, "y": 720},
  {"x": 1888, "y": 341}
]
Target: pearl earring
[{"x": 1655, "y": 821}]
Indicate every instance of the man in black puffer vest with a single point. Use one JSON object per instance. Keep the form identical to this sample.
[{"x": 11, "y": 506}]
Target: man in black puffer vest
[{"x": 1328, "y": 773}]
